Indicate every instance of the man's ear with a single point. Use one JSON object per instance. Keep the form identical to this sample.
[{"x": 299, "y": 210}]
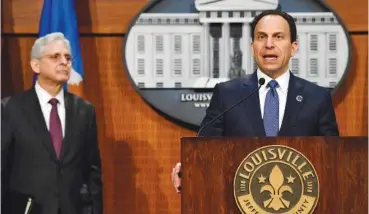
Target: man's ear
[
  {"x": 35, "y": 65},
  {"x": 252, "y": 48},
  {"x": 294, "y": 47}
]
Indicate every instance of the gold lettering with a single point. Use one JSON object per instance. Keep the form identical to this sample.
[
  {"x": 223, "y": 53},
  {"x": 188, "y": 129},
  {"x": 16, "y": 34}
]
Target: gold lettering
[
  {"x": 301, "y": 165},
  {"x": 309, "y": 187},
  {"x": 250, "y": 165},
  {"x": 306, "y": 175},
  {"x": 264, "y": 155},
  {"x": 281, "y": 153},
  {"x": 289, "y": 156},
  {"x": 256, "y": 162},
  {"x": 244, "y": 176},
  {"x": 243, "y": 186},
  {"x": 301, "y": 209},
  {"x": 295, "y": 159},
  {"x": 274, "y": 155}
]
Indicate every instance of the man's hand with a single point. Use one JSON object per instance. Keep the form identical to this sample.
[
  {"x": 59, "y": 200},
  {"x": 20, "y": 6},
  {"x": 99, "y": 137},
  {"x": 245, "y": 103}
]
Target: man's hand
[{"x": 176, "y": 177}]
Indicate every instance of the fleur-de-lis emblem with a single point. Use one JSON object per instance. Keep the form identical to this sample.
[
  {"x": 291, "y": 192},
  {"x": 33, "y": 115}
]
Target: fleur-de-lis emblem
[{"x": 276, "y": 189}]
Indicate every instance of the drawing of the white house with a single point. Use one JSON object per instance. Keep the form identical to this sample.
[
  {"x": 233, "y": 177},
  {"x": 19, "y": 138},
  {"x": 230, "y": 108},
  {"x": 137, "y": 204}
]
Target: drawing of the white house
[{"x": 199, "y": 50}]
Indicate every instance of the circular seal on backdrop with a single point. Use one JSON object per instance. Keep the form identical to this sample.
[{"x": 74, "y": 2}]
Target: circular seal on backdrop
[
  {"x": 176, "y": 51},
  {"x": 276, "y": 179}
]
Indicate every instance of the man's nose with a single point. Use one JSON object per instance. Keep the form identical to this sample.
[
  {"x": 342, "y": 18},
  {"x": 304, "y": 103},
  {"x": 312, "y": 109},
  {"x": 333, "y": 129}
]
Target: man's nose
[
  {"x": 269, "y": 43},
  {"x": 64, "y": 60}
]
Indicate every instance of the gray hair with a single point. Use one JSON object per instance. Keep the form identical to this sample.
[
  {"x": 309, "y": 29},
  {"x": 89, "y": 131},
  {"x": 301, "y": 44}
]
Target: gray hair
[{"x": 40, "y": 43}]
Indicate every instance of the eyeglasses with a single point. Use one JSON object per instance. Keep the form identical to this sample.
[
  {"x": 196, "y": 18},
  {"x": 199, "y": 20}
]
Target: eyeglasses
[{"x": 58, "y": 57}]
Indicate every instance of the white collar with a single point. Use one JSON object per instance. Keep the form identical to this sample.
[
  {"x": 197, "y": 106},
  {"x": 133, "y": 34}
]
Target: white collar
[
  {"x": 44, "y": 97},
  {"x": 283, "y": 80}
]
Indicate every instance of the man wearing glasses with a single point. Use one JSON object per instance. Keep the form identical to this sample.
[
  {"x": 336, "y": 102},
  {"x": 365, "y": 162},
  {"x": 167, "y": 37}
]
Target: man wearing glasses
[{"x": 50, "y": 154}]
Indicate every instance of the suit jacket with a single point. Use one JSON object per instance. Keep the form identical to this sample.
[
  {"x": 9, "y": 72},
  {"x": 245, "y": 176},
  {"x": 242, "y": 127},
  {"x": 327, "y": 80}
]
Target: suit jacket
[
  {"x": 30, "y": 168},
  {"x": 313, "y": 116}
]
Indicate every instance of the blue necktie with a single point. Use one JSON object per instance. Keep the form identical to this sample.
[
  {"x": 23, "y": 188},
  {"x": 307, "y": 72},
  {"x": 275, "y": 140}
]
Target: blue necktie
[{"x": 271, "y": 110}]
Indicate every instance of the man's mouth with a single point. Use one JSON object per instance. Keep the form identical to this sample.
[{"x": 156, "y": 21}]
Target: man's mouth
[
  {"x": 270, "y": 57},
  {"x": 63, "y": 71}
]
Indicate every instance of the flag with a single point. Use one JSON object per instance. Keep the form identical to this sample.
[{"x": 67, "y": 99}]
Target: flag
[{"x": 60, "y": 16}]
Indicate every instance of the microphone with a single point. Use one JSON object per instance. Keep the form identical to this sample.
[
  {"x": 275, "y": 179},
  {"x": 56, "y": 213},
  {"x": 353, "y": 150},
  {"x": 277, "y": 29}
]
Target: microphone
[
  {"x": 28, "y": 206},
  {"x": 261, "y": 83}
]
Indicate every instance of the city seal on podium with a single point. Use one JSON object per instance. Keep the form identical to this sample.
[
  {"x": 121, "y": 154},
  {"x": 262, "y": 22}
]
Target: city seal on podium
[{"x": 276, "y": 179}]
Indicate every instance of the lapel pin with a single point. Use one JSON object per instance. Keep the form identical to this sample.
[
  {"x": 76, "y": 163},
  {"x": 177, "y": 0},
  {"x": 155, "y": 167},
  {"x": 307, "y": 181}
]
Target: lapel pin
[{"x": 299, "y": 98}]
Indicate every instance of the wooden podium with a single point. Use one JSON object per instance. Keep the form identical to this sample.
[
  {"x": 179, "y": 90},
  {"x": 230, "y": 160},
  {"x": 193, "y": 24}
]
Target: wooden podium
[{"x": 209, "y": 166}]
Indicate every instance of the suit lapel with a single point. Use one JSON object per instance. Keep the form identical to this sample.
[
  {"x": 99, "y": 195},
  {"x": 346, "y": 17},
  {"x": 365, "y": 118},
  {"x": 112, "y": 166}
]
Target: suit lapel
[
  {"x": 70, "y": 112},
  {"x": 36, "y": 118},
  {"x": 295, "y": 100},
  {"x": 252, "y": 106}
]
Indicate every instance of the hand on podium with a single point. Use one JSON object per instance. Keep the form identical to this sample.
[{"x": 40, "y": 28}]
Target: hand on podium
[{"x": 176, "y": 177}]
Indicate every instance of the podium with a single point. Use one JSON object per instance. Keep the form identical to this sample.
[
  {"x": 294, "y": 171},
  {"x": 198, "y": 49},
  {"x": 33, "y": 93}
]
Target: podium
[{"x": 211, "y": 172}]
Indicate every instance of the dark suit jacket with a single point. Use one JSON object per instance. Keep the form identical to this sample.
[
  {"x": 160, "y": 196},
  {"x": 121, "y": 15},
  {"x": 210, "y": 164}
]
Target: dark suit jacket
[
  {"x": 313, "y": 116},
  {"x": 29, "y": 164}
]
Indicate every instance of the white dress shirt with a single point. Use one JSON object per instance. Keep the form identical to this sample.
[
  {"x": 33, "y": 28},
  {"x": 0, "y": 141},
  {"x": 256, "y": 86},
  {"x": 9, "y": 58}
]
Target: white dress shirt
[
  {"x": 44, "y": 98},
  {"x": 282, "y": 89}
]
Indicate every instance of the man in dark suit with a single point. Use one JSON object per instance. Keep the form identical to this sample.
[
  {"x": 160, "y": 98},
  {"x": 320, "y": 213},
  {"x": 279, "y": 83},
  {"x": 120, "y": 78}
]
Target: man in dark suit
[
  {"x": 49, "y": 141},
  {"x": 285, "y": 106},
  {"x": 308, "y": 109}
]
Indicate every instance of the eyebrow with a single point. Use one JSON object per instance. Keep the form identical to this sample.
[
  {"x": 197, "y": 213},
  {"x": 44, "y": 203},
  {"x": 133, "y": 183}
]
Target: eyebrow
[
  {"x": 274, "y": 34},
  {"x": 58, "y": 53}
]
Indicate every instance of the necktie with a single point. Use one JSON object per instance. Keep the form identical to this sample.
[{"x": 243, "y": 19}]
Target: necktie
[
  {"x": 55, "y": 127},
  {"x": 271, "y": 110}
]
